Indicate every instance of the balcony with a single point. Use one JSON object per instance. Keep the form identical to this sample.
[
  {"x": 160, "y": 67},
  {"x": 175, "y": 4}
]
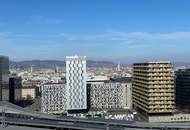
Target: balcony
[{"x": 162, "y": 103}]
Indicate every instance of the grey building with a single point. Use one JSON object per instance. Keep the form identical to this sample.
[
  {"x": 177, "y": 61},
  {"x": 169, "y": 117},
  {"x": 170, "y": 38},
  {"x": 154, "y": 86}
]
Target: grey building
[
  {"x": 110, "y": 96},
  {"x": 53, "y": 98},
  {"x": 4, "y": 78}
]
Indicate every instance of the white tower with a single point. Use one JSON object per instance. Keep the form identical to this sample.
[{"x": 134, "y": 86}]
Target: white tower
[
  {"x": 118, "y": 67},
  {"x": 76, "y": 82},
  {"x": 31, "y": 69}
]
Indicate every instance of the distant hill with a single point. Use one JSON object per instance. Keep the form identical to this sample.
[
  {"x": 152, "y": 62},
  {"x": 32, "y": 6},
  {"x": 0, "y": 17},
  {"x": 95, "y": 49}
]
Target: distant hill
[
  {"x": 178, "y": 64},
  {"x": 90, "y": 63},
  {"x": 52, "y": 63}
]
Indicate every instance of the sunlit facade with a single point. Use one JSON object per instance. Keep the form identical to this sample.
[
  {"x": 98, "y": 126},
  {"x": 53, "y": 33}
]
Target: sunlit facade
[
  {"x": 153, "y": 87},
  {"x": 76, "y": 82}
]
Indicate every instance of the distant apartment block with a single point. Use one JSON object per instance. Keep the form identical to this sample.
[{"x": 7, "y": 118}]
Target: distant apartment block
[
  {"x": 53, "y": 98},
  {"x": 183, "y": 89},
  {"x": 110, "y": 96},
  {"x": 96, "y": 79},
  {"x": 153, "y": 88},
  {"x": 4, "y": 78},
  {"x": 76, "y": 90}
]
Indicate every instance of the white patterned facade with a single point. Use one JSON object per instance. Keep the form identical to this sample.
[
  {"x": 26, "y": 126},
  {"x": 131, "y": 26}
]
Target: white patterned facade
[
  {"x": 76, "y": 82},
  {"x": 53, "y": 98},
  {"x": 110, "y": 96}
]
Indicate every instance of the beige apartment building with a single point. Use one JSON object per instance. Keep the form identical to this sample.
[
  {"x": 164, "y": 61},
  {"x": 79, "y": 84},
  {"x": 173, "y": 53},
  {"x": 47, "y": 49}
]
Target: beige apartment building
[
  {"x": 153, "y": 88},
  {"x": 28, "y": 93}
]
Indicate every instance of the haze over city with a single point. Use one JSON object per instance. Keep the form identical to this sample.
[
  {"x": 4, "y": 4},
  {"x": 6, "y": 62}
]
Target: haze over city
[{"x": 126, "y": 30}]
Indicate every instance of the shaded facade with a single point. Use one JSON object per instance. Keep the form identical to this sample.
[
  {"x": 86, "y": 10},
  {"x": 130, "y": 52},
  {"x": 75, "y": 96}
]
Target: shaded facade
[
  {"x": 29, "y": 92},
  {"x": 15, "y": 86},
  {"x": 183, "y": 89},
  {"x": 4, "y": 78}
]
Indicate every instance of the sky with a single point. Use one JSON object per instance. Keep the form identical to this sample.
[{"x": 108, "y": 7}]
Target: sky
[{"x": 114, "y": 30}]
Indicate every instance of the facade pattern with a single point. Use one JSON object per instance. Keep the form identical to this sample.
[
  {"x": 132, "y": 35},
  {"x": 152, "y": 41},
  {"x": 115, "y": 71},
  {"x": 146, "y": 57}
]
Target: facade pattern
[
  {"x": 76, "y": 82},
  {"x": 153, "y": 87},
  {"x": 53, "y": 98},
  {"x": 108, "y": 96}
]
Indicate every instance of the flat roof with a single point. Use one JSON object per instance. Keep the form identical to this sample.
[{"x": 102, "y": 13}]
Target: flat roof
[
  {"x": 75, "y": 57},
  {"x": 154, "y": 62}
]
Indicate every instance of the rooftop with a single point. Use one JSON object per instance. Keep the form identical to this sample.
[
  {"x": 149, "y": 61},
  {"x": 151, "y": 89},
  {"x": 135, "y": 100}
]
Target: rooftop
[
  {"x": 75, "y": 57},
  {"x": 154, "y": 62}
]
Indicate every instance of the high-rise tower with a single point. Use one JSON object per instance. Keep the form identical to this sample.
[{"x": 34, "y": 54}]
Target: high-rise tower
[
  {"x": 76, "y": 82},
  {"x": 4, "y": 78},
  {"x": 153, "y": 88},
  {"x": 118, "y": 66},
  {"x": 183, "y": 89}
]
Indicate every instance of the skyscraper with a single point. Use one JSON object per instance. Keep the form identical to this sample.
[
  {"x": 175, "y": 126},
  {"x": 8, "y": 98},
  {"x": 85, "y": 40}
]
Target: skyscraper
[
  {"x": 153, "y": 88},
  {"x": 76, "y": 83},
  {"x": 183, "y": 89},
  {"x": 4, "y": 78}
]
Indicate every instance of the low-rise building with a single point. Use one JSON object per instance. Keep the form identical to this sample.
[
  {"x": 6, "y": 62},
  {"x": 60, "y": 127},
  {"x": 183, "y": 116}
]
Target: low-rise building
[
  {"x": 110, "y": 96},
  {"x": 93, "y": 79},
  {"x": 177, "y": 117},
  {"x": 53, "y": 98}
]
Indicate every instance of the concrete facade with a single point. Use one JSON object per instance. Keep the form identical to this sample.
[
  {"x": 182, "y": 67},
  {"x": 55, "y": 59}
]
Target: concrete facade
[
  {"x": 53, "y": 98},
  {"x": 110, "y": 96},
  {"x": 153, "y": 87}
]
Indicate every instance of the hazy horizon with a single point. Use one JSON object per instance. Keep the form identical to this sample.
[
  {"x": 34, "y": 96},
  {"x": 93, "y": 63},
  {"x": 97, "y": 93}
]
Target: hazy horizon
[{"x": 106, "y": 60}]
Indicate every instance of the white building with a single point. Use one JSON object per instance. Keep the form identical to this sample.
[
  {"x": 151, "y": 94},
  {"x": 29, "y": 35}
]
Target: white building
[
  {"x": 110, "y": 96},
  {"x": 96, "y": 78},
  {"x": 76, "y": 82},
  {"x": 53, "y": 98}
]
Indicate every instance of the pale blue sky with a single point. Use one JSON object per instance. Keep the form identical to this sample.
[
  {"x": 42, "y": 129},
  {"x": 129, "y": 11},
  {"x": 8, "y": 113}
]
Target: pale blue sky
[{"x": 118, "y": 30}]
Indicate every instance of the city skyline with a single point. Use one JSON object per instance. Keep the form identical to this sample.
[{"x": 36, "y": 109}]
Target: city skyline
[
  {"x": 125, "y": 30},
  {"x": 94, "y": 64}
]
